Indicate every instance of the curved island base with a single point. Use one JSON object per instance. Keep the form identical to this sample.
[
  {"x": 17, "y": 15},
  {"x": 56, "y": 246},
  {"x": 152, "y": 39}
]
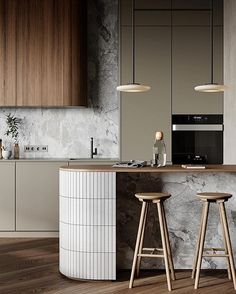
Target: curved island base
[{"x": 88, "y": 225}]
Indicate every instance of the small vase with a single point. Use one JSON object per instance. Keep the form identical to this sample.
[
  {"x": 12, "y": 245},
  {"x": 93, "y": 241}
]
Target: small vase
[
  {"x": 6, "y": 154},
  {"x": 16, "y": 151}
]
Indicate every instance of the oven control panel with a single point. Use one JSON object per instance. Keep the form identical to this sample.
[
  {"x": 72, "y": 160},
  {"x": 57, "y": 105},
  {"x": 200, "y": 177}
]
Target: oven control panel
[{"x": 197, "y": 119}]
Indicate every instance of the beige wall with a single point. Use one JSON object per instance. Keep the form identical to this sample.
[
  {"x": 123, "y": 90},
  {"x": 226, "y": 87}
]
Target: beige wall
[{"x": 230, "y": 81}]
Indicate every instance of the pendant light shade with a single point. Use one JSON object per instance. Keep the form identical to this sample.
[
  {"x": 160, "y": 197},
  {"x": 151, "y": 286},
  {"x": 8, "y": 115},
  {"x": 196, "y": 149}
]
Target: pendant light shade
[
  {"x": 133, "y": 87},
  {"x": 211, "y": 87}
]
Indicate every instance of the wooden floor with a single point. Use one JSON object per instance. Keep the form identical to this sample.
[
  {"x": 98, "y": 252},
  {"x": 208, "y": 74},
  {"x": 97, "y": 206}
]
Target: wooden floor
[{"x": 31, "y": 266}]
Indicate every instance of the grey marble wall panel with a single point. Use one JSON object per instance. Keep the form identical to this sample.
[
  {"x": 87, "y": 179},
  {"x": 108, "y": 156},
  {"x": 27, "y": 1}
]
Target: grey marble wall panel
[
  {"x": 229, "y": 80},
  {"x": 183, "y": 212},
  {"x": 67, "y": 131}
]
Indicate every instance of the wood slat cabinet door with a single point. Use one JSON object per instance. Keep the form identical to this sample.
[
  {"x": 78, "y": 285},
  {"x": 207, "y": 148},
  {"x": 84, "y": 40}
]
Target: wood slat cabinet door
[
  {"x": 8, "y": 52},
  {"x": 51, "y": 55},
  {"x": 37, "y": 194},
  {"x": 43, "y": 53}
]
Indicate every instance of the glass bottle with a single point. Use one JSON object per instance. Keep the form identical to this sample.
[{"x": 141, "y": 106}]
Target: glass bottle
[
  {"x": 16, "y": 151},
  {"x": 159, "y": 150}
]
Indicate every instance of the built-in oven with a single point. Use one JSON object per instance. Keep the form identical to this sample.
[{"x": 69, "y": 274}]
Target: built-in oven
[{"x": 197, "y": 139}]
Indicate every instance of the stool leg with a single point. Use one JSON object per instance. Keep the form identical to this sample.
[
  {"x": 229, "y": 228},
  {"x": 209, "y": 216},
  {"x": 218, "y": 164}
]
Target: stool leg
[
  {"x": 171, "y": 264},
  {"x": 137, "y": 244},
  {"x": 141, "y": 240},
  {"x": 197, "y": 249},
  {"x": 228, "y": 242},
  {"x": 201, "y": 243},
  {"x": 163, "y": 239},
  {"x": 225, "y": 245}
]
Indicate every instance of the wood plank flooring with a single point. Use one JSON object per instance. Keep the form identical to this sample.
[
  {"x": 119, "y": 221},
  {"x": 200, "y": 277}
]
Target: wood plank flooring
[{"x": 31, "y": 266}]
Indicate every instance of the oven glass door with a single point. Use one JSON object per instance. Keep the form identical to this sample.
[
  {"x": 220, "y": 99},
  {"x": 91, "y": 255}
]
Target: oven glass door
[{"x": 197, "y": 147}]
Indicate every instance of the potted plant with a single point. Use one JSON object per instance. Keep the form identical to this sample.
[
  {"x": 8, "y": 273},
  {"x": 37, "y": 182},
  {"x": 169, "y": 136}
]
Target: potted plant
[{"x": 13, "y": 123}]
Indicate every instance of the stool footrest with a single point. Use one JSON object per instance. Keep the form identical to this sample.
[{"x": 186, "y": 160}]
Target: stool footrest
[
  {"x": 214, "y": 249},
  {"x": 153, "y": 252},
  {"x": 215, "y": 255},
  {"x": 153, "y": 249},
  {"x": 151, "y": 255}
]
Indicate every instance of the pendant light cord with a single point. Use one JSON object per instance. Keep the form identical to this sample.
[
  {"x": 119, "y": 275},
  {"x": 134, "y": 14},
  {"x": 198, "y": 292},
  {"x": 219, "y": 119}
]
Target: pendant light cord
[
  {"x": 133, "y": 40},
  {"x": 212, "y": 44}
]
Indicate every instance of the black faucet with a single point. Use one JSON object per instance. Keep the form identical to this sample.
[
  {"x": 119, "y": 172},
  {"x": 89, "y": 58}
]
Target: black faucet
[{"x": 95, "y": 152}]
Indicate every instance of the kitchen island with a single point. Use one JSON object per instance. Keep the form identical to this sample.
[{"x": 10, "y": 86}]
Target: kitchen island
[{"x": 99, "y": 216}]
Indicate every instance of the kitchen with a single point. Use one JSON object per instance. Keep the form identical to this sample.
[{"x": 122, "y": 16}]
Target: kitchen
[{"x": 62, "y": 102}]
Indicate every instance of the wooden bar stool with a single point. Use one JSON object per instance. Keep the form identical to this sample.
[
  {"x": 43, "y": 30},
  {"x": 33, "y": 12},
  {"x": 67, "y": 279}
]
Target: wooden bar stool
[
  {"x": 220, "y": 199},
  {"x": 165, "y": 252}
]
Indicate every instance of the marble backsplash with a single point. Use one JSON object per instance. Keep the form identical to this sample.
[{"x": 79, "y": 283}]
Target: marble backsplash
[
  {"x": 67, "y": 131},
  {"x": 183, "y": 211}
]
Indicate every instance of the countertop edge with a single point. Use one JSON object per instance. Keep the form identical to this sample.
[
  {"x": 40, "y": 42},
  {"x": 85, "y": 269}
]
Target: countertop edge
[
  {"x": 166, "y": 169},
  {"x": 59, "y": 159}
]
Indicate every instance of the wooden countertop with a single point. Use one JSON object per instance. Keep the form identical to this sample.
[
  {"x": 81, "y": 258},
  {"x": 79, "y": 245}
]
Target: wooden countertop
[{"x": 166, "y": 169}]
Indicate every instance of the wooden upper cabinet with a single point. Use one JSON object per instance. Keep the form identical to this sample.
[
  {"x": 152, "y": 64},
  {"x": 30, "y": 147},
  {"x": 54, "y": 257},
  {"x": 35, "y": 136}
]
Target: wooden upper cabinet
[
  {"x": 8, "y": 52},
  {"x": 46, "y": 41}
]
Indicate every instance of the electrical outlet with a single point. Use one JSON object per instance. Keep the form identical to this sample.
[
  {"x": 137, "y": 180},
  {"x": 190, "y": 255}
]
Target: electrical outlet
[
  {"x": 27, "y": 148},
  {"x": 32, "y": 148},
  {"x": 36, "y": 148},
  {"x": 44, "y": 148}
]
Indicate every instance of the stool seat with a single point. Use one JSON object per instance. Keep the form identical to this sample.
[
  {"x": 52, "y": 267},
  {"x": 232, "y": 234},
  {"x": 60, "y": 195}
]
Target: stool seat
[
  {"x": 214, "y": 196},
  {"x": 152, "y": 196}
]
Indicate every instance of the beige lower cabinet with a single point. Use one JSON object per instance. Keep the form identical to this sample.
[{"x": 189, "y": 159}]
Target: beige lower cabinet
[
  {"x": 37, "y": 195},
  {"x": 7, "y": 196}
]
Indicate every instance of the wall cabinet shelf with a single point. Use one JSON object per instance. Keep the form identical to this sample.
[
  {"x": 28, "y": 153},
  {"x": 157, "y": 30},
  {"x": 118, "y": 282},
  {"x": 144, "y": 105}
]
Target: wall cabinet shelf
[{"x": 43, "y": 53}]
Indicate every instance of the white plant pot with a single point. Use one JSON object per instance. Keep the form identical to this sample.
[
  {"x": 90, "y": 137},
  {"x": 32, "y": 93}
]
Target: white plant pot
[{"x": 6, "y": 154}]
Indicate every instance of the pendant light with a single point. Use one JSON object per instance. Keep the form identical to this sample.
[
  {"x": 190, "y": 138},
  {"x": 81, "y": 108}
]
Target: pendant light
[
  {"x": 211, "y": 87},
  {"x": 133, "y": 87}
]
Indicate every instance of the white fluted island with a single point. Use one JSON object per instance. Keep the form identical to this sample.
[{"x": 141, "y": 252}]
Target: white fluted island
[{"x": 88, "y": 222}]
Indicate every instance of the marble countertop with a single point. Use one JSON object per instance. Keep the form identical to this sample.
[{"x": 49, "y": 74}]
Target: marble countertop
[
  {"x": 149, "y": 169},
  {"x": 62, "y": 159}
]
